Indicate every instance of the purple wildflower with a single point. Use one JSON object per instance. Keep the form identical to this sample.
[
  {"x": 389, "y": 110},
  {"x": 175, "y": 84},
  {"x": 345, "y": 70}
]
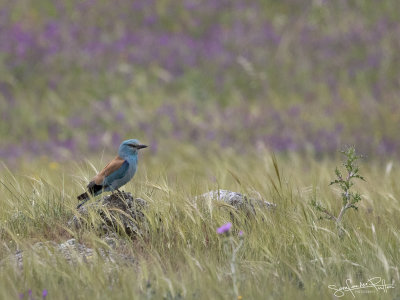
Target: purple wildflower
[
  {"x": 44, "y": 294},
  {"x": 241, "y": 233},
  {"x": 224, "y": 228},
  {"x": 21, "y": 295}
]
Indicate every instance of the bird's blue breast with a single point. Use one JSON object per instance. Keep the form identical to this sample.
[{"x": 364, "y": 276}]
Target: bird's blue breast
[{"x": 132, "y": 166}]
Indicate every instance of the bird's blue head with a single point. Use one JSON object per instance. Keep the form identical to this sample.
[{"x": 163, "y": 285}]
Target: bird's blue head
[{"x": 130, "y": 147}]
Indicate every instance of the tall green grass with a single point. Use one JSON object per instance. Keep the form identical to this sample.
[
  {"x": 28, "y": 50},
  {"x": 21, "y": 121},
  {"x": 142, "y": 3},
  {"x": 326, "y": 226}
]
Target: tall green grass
[{"x": 290, "y": 252}]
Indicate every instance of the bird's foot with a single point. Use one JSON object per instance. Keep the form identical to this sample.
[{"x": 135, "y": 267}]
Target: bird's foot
[
  {"x": 117, "y": 192},
  {"x": 82, "y": 203}
]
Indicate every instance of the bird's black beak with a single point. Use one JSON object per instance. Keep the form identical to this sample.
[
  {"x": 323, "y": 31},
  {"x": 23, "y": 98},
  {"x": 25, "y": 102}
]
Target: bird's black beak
[{"x": 138, "y": 146}]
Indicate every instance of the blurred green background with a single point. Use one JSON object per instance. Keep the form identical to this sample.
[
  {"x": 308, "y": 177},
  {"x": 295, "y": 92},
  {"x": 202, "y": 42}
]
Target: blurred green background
[
  {"x": 213, "y": 86},
  {"x": 78, "y": 77}
]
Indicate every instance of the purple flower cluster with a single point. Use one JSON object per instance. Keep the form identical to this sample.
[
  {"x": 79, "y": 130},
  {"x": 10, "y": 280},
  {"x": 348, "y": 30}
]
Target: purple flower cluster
[
  {"x": 30, "y": 295},
  {"x": 224, "y": 228},
  {"x": 318, "y": 129},
  {"x": 209, "y": 36}
]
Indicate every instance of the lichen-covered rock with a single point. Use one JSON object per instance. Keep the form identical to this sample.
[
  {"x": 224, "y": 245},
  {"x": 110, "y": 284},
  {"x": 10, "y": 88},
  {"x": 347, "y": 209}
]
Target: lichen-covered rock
[
  {"x": 72, "y": 251},
  {"x": 118, "y": 211},
  {"x": 75, "y": 252},
  {"x": 237, "y": 200}
]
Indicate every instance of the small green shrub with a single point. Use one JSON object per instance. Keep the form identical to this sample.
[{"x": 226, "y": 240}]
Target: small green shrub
[{"x": 345, "y": 182}]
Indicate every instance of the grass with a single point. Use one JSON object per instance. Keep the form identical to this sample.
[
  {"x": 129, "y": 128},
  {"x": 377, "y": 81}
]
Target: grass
[
  {"x": 204, "y": 85},
  {"x": 290, "y": 252}
]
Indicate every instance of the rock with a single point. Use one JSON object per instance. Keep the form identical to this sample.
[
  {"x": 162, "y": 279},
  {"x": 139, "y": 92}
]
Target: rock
[
  {"x": 237, "y": 200},
  {"x": 19, "y": 259},
  {"x": 118, "y": 211},
  {"x": 73, "y": 252}
]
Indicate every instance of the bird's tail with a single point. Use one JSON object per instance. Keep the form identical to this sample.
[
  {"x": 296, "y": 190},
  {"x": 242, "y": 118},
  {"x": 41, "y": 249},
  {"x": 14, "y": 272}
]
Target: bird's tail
[
  {"x": 83, "y": 196},
  {"x": 93, "y": 189}
]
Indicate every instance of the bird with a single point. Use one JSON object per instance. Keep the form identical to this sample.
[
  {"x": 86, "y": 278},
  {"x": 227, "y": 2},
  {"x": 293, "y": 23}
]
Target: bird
[{"x": 116, "y": 173}]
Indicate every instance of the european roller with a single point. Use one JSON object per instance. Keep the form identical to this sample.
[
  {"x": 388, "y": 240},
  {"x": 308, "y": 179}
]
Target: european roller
[{"x": 116, "y": 173}]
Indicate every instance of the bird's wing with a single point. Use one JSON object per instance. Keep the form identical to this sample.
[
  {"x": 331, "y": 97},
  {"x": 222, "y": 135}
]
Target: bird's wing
[
  {"x": 117, "y": 174},
  {"x": 110, "y": 168}
]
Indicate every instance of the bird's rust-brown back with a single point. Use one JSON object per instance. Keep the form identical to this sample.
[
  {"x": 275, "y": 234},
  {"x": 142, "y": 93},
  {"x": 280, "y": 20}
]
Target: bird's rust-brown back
[{"x": 112, "y": 166}]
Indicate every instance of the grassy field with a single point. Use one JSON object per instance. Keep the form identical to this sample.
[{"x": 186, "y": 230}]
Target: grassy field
[{"x": 287, "y": 253}]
